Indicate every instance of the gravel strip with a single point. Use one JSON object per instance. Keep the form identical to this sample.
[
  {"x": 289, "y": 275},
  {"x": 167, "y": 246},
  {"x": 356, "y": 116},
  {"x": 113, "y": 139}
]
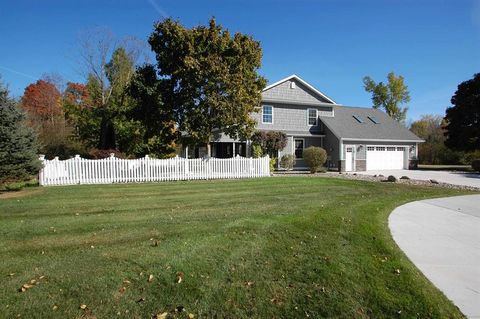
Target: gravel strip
[{"x": 375, "y": 178}]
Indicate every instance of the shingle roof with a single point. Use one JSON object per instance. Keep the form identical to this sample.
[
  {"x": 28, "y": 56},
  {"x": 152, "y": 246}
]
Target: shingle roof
[{"x": 344, "y": 125}]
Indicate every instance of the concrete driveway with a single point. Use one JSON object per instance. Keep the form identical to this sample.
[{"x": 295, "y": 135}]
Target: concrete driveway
[
  {"x": 456, "y": 178},
  {"x": 442, "y": 238}
]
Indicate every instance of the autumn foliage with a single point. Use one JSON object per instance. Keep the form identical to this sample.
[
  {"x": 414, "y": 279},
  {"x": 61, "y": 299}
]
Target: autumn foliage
[{"x": 42, "y": 101}]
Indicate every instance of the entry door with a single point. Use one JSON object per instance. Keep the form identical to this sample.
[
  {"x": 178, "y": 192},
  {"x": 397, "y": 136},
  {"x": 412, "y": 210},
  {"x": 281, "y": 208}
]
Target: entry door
[{"x": 349, "y": 159}]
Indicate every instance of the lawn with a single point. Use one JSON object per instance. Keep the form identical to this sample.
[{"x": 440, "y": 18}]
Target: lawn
[{"x": 282, "y": 247}]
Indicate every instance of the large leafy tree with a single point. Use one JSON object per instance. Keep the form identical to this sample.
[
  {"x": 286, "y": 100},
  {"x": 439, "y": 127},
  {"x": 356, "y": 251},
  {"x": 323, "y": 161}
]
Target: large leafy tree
[
  {"x": 42, "y": 101},
  {"x": 158, "y": 126},
  {"x": 433, "y": 150},
  {"x": 389, "y": 96},
  {"x": 18, "y": 145},
  {"x": 108, "y": 68},
  {"x": 211, "y": 78},
  {"x": 463, "y": 118}
]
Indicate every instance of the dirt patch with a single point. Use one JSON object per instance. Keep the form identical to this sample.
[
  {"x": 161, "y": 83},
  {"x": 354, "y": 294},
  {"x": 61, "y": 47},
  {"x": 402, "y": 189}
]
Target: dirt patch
[{"x": 22, "y": 193}]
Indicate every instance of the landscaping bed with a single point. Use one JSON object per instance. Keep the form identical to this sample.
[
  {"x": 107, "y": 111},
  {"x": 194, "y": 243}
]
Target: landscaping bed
[{"x": 281, "y": 247}]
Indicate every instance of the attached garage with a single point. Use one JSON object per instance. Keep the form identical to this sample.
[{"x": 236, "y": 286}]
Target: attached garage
[{"x": 386, "y": 157}]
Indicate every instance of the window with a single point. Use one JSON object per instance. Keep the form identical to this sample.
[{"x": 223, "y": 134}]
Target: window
[
  {"x": 358, "y": 118},
  {"x": 381, "y": 149},
  {"x": 299, "y": 148},
  {"x": 390, "y": 149},
  {"x": 267, "y": 114},
  {"x": 370, "y": 148},
  {"x": 312, "y": 117},
  {"x": 374, "y": 119},
  {"x": 401, "y": 149}
]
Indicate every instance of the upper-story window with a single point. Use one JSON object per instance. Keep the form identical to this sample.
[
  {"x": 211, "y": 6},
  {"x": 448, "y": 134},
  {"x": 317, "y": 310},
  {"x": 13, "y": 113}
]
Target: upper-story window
[
  {"x": 312, "y": 117},
  {"x": 267, "y": 114}
]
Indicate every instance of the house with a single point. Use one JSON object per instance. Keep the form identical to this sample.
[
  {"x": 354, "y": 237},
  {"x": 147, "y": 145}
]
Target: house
[{"x": 355, "y": 138}]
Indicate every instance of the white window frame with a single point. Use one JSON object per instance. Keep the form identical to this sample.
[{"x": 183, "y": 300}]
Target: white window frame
[
  {"x": 294, "y": 148},
  {"x": 308, "y": 117},
  {"x": 263, "y": 106}
]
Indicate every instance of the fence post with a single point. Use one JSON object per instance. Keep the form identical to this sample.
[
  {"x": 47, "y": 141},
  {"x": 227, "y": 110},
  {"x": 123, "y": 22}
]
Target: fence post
[{"x": 41, "y": 173}]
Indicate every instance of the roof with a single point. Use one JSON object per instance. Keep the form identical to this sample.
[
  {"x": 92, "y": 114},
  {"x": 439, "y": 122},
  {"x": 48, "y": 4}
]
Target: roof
[
  {"x": 296, "y": 77},
  {"x": 345, "y": 126}
]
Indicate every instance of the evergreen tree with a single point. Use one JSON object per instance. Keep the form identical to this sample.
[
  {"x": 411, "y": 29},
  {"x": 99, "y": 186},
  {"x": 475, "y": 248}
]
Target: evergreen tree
[{"x": 18, "y": 143}]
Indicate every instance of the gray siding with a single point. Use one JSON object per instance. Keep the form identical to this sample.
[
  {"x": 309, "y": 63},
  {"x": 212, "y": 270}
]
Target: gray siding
[
  {"x": 331, "y": 145},
  {"x": 290, "y": 117},
  {"x": 300, "y": 93}
]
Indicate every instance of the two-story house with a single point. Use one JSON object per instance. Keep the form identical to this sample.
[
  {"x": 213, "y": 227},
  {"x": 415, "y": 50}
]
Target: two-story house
[{"x": 355, "y": 138}]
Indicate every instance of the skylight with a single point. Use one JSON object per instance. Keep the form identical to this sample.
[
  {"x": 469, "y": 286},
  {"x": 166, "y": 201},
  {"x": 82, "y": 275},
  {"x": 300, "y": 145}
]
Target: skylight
[
  {"x": 374, "y": 119},
  {"x": 358, "y": 118}
]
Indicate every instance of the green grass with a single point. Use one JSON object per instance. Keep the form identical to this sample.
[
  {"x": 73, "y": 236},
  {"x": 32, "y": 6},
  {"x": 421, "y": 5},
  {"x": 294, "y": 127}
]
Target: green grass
[{"x": 282, "y": 247}]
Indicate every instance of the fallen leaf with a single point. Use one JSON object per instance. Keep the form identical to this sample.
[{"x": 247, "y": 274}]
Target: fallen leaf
[
  {"x": 126, "y": 282},
  {"x": 397, "y": 271},
  {"x": 83, "y": 306},
  {"x": 179, "y": 277},
  {"x": 162, "y": 315},
  {"x": 11, "y": 274},
  {"x": 180, "y": 308},
  {"x": 191, "y": 316},
  {"x": 122, "y": 290},
  {"x": 150, "y": 278},
  {"x": 41, "y": 277},
  {"x": 33, "y": 281},
  {"x": 54, "y": 307},
  {"x": 141, "y": 300}
]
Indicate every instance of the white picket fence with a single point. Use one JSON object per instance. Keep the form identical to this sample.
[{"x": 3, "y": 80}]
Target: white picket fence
[{"x": 115, "y": 170}]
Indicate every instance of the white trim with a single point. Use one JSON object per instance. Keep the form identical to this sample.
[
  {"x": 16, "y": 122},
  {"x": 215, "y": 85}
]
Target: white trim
[
  {"x": 308, "y": 116},
  {"x": 289, "y": 102},
  {"x": 379, "y": 140},
  {"x": 263, "y": 105},
  {"x": 296, "y": 77},
  {"x": 299, "y": 138}
]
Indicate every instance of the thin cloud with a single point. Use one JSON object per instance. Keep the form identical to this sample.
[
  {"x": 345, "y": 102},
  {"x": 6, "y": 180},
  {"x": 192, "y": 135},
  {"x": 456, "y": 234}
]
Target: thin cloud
[
  {"x": 158, "y": 8},
  {"x": 18, "y": 73}
]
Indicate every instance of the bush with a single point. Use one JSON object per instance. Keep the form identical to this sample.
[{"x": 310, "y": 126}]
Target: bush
[
  {"x": 270, "y": 141},
  {"x": 99, "y": 154},
  {"x": 257, "y": 151},
  {"x": 16, "y": 186},
  {"x": 314, "y": 157},
  {"x": 273, "y": 164},
  {"x": 476, "y": 165},
  {"x": 287, "y": 161}
]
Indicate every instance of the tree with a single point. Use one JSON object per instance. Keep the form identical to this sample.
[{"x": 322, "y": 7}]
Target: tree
[
  {"x": 389, "y": 96},
  {"x": 18, "y": 145},
  {"x": 211, "y": 78},
  {"x": 106, "y": 83},
  {"x": 42, "y": 102},
  {"x": 463, "y": 118},
  {"x": 271, "y": 142},
  {"x": 158, "y": 126},
  {"x": 429, "y": 128}
]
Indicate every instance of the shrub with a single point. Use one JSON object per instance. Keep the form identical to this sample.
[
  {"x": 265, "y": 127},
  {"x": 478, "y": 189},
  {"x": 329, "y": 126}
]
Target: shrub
[
  {"x": 287, "y": 161},
  {"x": 314, "y": 157},
  {"x": 99, "y": 154},
  {"x": 476, "y": 165},
  {"x": 273, "y": 164},
  {"x": 257, "y": 151},
  {"x": 270, "y": 141}
]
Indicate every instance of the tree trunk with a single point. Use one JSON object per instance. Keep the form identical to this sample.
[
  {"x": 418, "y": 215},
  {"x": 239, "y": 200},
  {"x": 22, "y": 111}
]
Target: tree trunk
[{"x": 107, "y": 135}]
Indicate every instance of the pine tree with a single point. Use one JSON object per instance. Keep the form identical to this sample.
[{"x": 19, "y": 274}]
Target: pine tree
[{"x": 18, "y": 143}]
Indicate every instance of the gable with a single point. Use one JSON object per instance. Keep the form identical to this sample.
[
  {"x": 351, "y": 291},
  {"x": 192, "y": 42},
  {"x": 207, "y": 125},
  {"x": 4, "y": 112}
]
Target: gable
[{"x": 300, "y": 91}]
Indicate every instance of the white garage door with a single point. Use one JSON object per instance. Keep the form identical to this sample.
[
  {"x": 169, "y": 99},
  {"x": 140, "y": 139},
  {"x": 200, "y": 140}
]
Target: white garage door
[{"x": 385, "y": 157}]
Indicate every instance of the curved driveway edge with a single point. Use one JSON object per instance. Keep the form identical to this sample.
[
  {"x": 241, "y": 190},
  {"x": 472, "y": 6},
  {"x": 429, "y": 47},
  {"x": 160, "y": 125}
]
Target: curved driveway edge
[{"x": 442, "y": 238}]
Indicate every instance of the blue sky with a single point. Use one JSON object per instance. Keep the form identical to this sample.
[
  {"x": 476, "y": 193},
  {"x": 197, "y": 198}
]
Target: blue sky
[{"x": 331, "y": 44}]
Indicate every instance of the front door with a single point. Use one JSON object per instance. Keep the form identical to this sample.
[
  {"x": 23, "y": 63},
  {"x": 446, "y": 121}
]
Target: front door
[{"x": 349, "y": 159}]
